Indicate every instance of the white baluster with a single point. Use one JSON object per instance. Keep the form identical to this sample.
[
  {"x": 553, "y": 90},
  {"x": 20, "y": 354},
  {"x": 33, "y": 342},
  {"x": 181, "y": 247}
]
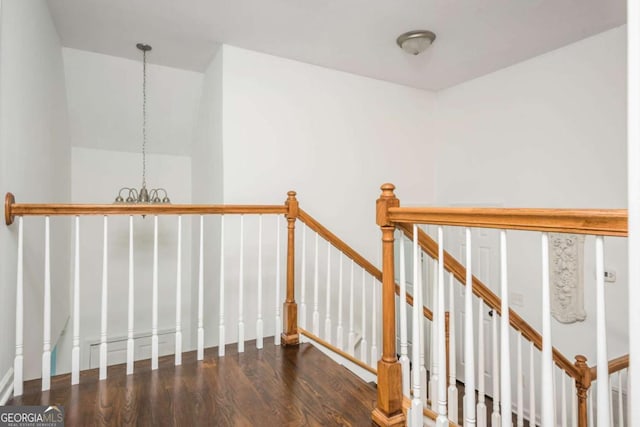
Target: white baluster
[
  {"x": 481, "y": 417},
  {"x": 563, "y": 414},
  {"x": 555, "y": 393},
  {"x": 435, "y": 368},
  {"x": 442, "y": 420},
  {"x": 259, "y": 322},
  {"x": 351, "y": 340},
  {"x": 200, "y": 351},
  {"x": 363, "y": 341},
  {"x": 469, "y": 400},
  {"x": 505, "y": 374},
  {"x": 601, "y": 335},
  {"x": 610, "y": 402},
  {"x": 532, "y": 385},
  {"x": 178, "y": 355},
  {"x": 316, "y": 313},
  {"x": 374, "y": 323},
  {"x": 18, "y": 362},
  {"x": 75, "y": 352},
  {"x": 327, "y": 319},
  {"x": 520, "y": 397},
  {"x": 496, "y": 419},
  {"x": 130, "y": 321},
  {"x": 241, "y": 290},
  {"x": 154, "y": 311},
  {"x": 453, "y": 389},
  {"x": 276, "y": 338},
  {"x": 221, "y": 327},
  {"x": 548, "y": 410},
  {"x": 416, "y": 402},
  {"x": 46, "y": 347},
  {"x": 340, "y": 331},
  {"x": 302, "y": 315},
  {"x": 103, "y": 320},
  {"x": 590, "y": 404},
  {"x": 620, "y": 405},
  {"x": 404, "y": 345},
  {"x": 421, "y": 325}
]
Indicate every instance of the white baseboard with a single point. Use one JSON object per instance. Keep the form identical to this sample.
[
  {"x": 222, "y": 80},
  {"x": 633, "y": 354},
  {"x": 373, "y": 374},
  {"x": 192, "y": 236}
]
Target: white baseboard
[{"x": 6, "y": 387}]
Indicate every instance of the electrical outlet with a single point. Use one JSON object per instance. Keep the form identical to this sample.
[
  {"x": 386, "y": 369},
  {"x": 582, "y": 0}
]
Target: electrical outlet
[
  {"x": 609, "y": 276},
  {"x": 516, "y": 299}
]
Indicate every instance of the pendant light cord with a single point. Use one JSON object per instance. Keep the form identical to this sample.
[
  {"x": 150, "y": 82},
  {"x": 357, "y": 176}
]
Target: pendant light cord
[{"x": 144, "y": 118}]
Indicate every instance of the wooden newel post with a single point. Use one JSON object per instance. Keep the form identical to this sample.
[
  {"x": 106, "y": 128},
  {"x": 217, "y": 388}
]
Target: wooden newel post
[
  {"x": 582, "y": 387},
  {"x": 388, "y": 411},
  {"x": 290, "y": 308}
]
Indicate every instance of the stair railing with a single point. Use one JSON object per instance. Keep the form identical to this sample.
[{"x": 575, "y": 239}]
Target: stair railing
[
  {"x": 354, "y": 339},
  {"x": 598, "y": 223},
  {"x": 286, "y": 330}
]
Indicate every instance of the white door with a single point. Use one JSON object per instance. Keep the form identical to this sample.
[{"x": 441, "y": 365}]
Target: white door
[{"x": 484, "y": 252}]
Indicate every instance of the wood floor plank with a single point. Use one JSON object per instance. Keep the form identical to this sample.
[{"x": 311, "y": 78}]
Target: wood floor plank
[{"x": 279, "y": 386}]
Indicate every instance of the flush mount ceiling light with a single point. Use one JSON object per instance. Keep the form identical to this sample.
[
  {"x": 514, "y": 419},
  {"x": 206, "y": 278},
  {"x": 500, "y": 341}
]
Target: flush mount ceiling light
[
  {"x": 415, "y": 42},
  {"x": 142, "y": 195}
]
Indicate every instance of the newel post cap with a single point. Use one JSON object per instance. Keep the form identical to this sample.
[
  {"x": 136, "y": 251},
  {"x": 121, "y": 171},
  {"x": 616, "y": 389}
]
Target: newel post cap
[
  {"x": 9, "y": 200},
  {"x": 386, "y": 200},
  {"x": 292, "y": 205},
  {"x": 583, "y": 368}
]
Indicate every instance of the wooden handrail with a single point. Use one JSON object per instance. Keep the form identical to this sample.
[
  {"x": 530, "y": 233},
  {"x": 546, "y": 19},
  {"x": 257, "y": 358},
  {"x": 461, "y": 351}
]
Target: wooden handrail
[
  {"x": 327, "y": 235},
  {"x": 339, "y": 244},
  {"x": 492, "y": 300},
  {"x": 599, "y": 222},
  {"x": 13, "y": 209},
  {"x": 336, "y": 350},
  {"x": 615, "y": 365}
]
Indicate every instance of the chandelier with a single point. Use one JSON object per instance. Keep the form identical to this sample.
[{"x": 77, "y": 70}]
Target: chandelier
[{"x": 142, "y": 195}]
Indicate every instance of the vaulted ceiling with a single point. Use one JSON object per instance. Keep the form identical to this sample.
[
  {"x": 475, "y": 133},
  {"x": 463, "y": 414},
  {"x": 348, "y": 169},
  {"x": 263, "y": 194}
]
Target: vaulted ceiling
[{"x": 474, "y": 37}]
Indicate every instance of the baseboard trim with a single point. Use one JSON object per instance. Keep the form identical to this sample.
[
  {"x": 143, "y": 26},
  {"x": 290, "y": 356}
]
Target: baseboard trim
[{"x": 6, "y": 387}]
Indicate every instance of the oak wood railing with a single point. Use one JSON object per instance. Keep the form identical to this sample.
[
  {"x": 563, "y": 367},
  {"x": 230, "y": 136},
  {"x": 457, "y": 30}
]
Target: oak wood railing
[
  {"x": 598, "y": 222},
  {"x": 339, "y": 244},
  {"x": 289, "y": 334},
  {"x": 389, "y": 216},
  {"x": 291, "y": 210}
]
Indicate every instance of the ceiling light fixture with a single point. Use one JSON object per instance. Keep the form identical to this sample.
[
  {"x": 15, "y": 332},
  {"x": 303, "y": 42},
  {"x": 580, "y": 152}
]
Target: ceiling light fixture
[
  {"x": 143, "y": 195},
  {"x": 415, "y": 42}
]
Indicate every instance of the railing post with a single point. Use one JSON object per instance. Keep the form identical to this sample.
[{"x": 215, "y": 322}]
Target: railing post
[
  {"x": 388, "y": 411},
  {"x": 290, "y": 308},
  {"x": 582, "y": 387}
]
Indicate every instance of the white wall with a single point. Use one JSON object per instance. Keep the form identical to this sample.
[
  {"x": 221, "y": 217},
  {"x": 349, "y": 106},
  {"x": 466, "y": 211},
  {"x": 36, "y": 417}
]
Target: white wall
[
  {"x": 105, "y": 104},
  {"x": 94, "y": 177},
  {"x": 331, "y": 136},
  {"x": 206, "y": 170},
  {"x": 105, "y": 110},
  {"x": 35, "y": 166},
  {"x": 548, "y": 132},
  {"x": 334, "y": 138}
]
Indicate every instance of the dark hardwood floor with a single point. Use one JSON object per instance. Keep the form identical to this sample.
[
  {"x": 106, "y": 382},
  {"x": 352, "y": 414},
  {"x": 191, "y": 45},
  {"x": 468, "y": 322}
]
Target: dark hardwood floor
[{"x": 275, "y": 386}]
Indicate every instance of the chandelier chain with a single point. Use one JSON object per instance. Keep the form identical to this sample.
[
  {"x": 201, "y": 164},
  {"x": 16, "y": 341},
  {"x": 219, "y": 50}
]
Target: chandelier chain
[
  {"x": 144, "y": 118},
  {"x": 143, "y": 195}
]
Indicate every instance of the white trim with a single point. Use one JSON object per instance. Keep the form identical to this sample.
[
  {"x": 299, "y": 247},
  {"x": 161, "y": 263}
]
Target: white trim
[{"x": 6, "y": 387}]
